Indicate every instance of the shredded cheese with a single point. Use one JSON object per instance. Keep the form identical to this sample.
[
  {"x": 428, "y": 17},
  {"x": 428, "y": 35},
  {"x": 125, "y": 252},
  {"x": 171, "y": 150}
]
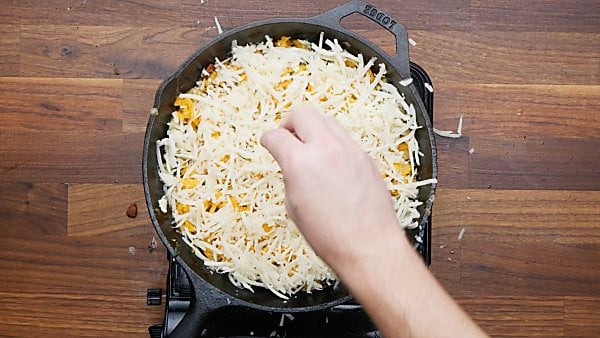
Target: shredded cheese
[
  {"x": 406, "y": 82},
  {"x": 226, "y": 192},
  {"x": 449, "y": 133},
  {"x": 218, "y": 26}
]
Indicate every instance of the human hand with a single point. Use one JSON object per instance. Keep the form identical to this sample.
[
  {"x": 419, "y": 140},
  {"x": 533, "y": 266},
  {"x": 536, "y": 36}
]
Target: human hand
[
  {"x": 334, "y": 191},
  {"x": 336, "y": 197}
]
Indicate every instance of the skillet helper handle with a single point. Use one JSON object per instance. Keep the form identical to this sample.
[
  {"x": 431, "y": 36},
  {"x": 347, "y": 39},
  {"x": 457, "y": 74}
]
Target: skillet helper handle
[
  {"x": 205, "y": 301},
  {"x": 333, "y": 17}
]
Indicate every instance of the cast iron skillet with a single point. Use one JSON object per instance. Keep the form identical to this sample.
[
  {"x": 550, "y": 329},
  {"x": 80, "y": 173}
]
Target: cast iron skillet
[{"x": 214, "y": 291}]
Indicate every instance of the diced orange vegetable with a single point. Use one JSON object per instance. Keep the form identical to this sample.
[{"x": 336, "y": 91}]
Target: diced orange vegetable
[
  {"x": 283, "y": 41},
  {"x": 266, "y": 227},
  {"x": 394, "y": 193},
  {"x": 370, "y": 72},
  {"x": 186, "y": 109},
  {"x": 303, "y": 67},
  {"x": 234, "y": 203},
  {"x": 309, "y": 88},
  {"x": 189, "y": 183},
  {"x": 298, "y": 44},
  {"x": 402, "y": 147},
  {"x": 405, "y": 169},
  {"x": 189, "y": 226},
  {"x": 283, "y": 84},
  {"x": 350, "y": 63},
  {"x": 225, "y": 158},
  {"x": 182, "y": 208},
  {"x": 195, "y": 123},
  {"x": 215, "y": 134}
]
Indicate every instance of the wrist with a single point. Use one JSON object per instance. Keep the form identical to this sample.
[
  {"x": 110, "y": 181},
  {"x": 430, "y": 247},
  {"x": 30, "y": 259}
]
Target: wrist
[{"x": 388, "y": 243}]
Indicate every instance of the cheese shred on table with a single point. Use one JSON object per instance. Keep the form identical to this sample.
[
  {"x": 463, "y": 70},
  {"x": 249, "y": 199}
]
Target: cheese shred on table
[{"x": 226, "y": 192}]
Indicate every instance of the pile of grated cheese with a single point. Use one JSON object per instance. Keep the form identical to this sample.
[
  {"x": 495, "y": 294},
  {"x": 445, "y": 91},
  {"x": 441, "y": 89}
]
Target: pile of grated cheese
[{"x": 226, "y": 192}]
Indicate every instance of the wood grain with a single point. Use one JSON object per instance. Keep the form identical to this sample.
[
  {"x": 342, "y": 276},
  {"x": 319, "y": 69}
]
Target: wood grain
[
  {"x": 529, "y": 269},
  {"x": 67, "y": 51},
  {"x": 102, "y": 264},
  {"x": 455, "y": 154},
  {"x": 71, "y": 157},
  {"x": 531, "y": 15},
  {"x": 495, "y": 57},
  {"x": 96, "y": 209},
  {"x": 28, "y": 209},
  {"x": 519, "y": 217},
  {"x": 38, "y": 104},
  {"x": 101, "y": 13},
  {"x": 84, "y": 286},
  {"x": 506, "y": 58},
  {"x": 445, "y": 257},
  {"x": 582, "y": 317},
  {"x": 68, "y": 315},
  {"x": 517, "y": 317},
  {"x": 9, "y": 53},
  {"x": 106, "y": 51},
  {"x": 427, "y": 14},
  {"x": 566, "y": 111},
  {"x": 138, "y": 99},
  {"x": 539, "y": 233},
  {"x": 534, "y": 163}
]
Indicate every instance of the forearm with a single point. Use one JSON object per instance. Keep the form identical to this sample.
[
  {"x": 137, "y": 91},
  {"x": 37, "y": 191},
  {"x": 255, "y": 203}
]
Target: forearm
[{"x": 401, "y": 295}]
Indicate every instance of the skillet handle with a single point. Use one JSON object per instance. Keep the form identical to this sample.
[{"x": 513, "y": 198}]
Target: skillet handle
[
  {"x": 205, "y": 301},
  {"x": 333, "y": 17}
]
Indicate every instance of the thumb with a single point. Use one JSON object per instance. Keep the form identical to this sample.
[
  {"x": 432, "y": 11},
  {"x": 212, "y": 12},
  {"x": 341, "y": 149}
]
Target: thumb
[{"x": 280, "y": 142}]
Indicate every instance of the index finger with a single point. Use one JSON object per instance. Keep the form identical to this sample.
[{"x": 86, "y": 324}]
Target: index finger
[
  {"x": 307, "y": 123},
  {"x": 279, "y": 142}
]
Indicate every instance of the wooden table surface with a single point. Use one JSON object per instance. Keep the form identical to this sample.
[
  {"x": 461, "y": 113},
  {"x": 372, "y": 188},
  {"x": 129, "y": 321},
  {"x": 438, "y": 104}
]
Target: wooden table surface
[{"x": 77, "y": 79}]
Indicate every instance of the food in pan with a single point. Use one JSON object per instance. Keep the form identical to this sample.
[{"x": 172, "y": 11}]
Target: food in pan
[{"x": 225, "y": 191}]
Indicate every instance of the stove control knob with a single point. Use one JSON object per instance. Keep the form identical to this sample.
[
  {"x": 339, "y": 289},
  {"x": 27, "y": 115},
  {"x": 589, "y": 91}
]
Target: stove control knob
[
  {"x": 155, "y": 331},
  {"x": 154, "y": 296}
]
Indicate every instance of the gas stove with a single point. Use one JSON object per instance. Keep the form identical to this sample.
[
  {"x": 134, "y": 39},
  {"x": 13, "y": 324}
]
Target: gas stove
[{"x": 344, "y": 320}]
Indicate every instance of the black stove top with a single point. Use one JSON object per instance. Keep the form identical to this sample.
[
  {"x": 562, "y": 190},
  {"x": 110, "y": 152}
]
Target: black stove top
[{"x": 345, "y": 320}]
